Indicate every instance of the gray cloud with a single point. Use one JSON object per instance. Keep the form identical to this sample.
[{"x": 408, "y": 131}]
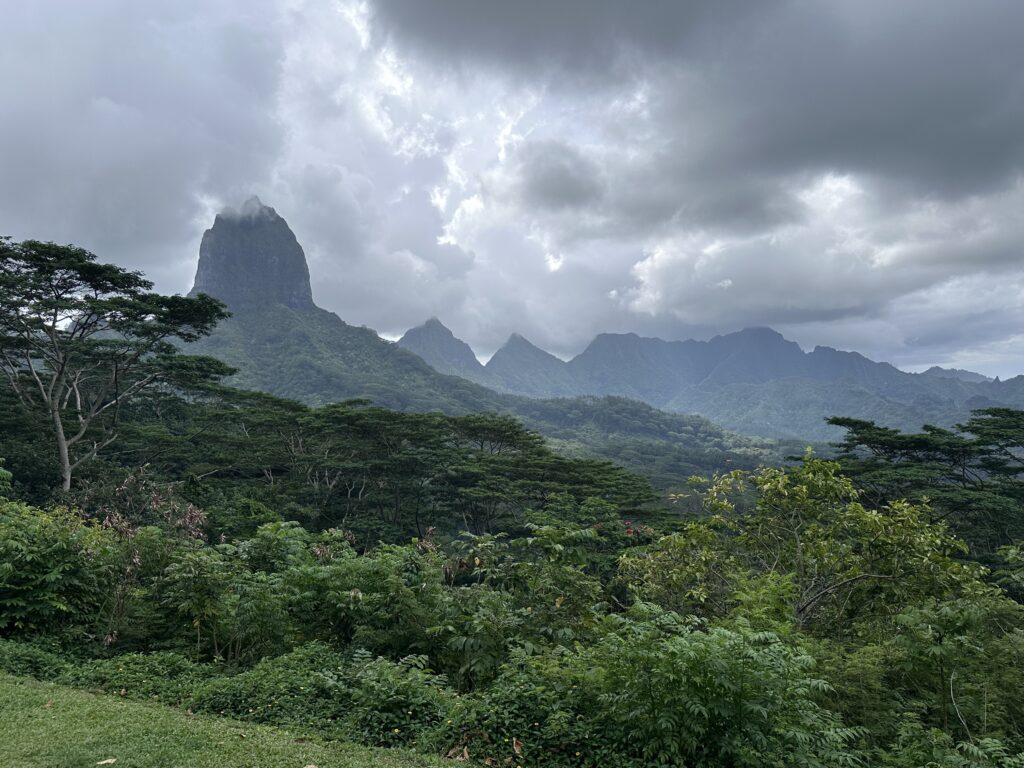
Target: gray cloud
[
  {"x": 118, "y": 118},
  {"x": 553, "y": 175},
  {"x": 585, "y": 40},
  {"x": 852, "y": 173}
]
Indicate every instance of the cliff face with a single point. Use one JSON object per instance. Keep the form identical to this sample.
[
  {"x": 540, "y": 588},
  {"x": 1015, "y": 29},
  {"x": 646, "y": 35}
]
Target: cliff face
[{"x": 250, "y": 258}]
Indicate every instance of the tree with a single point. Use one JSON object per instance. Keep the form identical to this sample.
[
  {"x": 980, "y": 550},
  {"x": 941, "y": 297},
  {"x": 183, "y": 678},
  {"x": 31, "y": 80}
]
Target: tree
[
  {"x": 78, "y": 339},
  {"x": 971, "y": 477},
  {"x": 808, "y": 548},
  {"x": 5, "y": 480}
]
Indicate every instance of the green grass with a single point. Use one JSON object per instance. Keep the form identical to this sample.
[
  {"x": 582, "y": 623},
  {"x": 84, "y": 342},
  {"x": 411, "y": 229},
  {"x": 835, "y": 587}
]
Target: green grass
[{"x": 42, "y": 724}]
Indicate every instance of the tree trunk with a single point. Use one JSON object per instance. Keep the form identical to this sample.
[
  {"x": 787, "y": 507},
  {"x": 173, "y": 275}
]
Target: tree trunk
[{"x": 62, "y": 450}]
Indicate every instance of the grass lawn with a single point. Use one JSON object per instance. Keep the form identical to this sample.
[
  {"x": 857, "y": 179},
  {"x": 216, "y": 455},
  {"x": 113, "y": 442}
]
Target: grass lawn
[{"x": 51, "y": 726}]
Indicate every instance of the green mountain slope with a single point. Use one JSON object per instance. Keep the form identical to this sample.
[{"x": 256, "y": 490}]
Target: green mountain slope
[{"x": 317, "y": 358}]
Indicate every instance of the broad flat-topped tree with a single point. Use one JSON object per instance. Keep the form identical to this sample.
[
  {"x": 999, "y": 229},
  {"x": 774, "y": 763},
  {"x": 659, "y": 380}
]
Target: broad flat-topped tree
[{"x": 78, "y": 339}]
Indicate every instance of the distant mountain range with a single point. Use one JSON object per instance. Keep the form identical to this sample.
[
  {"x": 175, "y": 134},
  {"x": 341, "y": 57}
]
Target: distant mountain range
[
  {"x": 282, "y": 343},
  {"x": 753, "y": 381}
]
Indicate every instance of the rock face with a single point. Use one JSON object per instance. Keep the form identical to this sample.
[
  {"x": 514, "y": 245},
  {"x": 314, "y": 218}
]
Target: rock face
[{"x": 250, "y": 258}]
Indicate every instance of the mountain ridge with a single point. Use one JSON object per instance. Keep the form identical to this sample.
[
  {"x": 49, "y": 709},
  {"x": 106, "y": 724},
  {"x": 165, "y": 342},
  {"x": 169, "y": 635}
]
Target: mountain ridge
[
  {"x": 310, "y": 354},
  {"x": 738, "y": 380},
  {"x": 752, "y": 381}
]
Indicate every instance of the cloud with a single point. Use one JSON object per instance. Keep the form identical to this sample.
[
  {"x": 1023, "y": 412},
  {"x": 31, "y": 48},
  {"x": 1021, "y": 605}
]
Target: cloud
[
  {"x": 848, "y": 172},
  {"x": 585, "y": 40},
  {"x": 552, "y": 175},
  {"x": 120, "y": 117}
]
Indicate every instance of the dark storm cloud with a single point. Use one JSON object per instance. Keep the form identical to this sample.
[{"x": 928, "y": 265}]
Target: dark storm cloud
[
  {"x": 928, "y": 94},
  {"x": 550, "y": 40},
  {"x": 745, "y": 116}
]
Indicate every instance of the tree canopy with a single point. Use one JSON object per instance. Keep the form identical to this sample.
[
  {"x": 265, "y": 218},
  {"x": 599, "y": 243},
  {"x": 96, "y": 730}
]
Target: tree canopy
[
  {"x": 79, "y": 339},
  {"x": 972, "y": 476}
]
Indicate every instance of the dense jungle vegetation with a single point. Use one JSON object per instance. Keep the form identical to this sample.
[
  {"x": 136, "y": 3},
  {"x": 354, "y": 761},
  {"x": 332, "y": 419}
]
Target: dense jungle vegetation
[{"x": 451, "y": 585}]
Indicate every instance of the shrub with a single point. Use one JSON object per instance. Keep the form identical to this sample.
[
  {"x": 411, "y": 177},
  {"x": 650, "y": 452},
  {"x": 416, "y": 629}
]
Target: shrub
[
  {"x": 54, "y": 569},
  {"x": 293, "y": 689},
  {"x": 918, "y": 745},
  {"x": 168, "y": 677},
  {"x": 394, "y": 703},
  {"x": 31, "y": 660},
  {"x": 656, "y": 691}
]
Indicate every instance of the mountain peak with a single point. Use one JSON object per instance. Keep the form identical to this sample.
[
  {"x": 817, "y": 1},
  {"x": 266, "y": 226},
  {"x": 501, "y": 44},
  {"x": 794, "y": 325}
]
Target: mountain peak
[
  {"x": 250, "y": 258},
  {"x": 959, "y": 374},
  {"x": 762, "y": 332},
  {"x": 518, "y": 340},
  {"x": 438, "y": 346},
  {"x": 523, "y": 367},
  {"x": 434, "y": 324}
]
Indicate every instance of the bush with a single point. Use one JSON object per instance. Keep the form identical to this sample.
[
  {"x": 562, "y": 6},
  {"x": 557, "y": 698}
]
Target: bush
[
  {"x": 168, "y": 677},
  {"x": 54, "y": 569},
  {"x": 293, "y": 689},
  {"x": 918, "y": 746},
  {"x": 655, "y": 691},
  {"x": 394, "y": 703},
  {"x": 31, "y": 660}
]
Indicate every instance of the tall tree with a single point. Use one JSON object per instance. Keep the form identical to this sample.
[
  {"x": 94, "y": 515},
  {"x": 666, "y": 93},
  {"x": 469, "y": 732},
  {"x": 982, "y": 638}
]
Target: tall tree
[
  {"x": 972, "y": 476},
  {"x": 78, "y": 339}
]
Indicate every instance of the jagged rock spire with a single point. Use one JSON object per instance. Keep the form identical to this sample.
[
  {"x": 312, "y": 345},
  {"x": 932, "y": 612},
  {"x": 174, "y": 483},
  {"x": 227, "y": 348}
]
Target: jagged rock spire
[{"x": 250, "y": 257}]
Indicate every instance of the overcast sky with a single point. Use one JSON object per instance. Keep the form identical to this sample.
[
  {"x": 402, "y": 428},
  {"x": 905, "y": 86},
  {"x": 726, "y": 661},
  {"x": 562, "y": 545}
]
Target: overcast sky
[{"x": 850, "y": 173}]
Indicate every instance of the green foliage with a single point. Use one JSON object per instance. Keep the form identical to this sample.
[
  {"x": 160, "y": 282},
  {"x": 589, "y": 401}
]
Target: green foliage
[
  {"x": 972, "y": 476},
  {"x": 239, "y": 517},
  {"x": 654, "y": 690},
  {"x": 54, "y": 569},
  {"x": 393, "y": 703},
  {"x": 32, "y": 660},
  {"x": 918, "y": 746},
  {"x": 683, "y": 572},
  {"x": 165, "y": 676},
  {"x": 807, "y": 546},
  {"x": 296, "y": 688},
  {"x": 78, "y": 339},
  {"x": 5, "y": 481},
  {"x": 791, "y": 624},
  {"x": 381, "y": 475}
]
